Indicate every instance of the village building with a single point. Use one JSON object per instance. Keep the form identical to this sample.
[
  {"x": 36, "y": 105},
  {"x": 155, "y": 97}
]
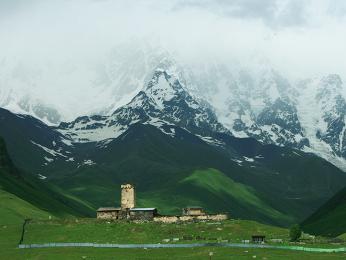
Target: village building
[{"x": 128, "y": 211}]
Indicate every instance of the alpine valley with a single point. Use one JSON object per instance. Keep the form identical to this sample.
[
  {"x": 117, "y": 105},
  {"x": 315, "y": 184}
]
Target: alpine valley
[{"x": 260, "y": 149}]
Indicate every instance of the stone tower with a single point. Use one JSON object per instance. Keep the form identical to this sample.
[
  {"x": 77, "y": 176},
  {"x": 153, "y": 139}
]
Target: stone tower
[{"x": 127, "y": 196}]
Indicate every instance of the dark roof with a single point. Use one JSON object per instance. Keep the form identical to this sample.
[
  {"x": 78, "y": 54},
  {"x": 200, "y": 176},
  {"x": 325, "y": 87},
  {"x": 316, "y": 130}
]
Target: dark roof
[
  {"x": 258, "y": 236},
  {"x": 143, "y": 209},
  {"x": 108, "y": 209}
]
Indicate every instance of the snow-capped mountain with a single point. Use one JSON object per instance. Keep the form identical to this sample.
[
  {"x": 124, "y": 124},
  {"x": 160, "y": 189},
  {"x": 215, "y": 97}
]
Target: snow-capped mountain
[
  {"x": 308, "y": 115},
  {"x": 164, "y": 101},
  {"x": 249, "y": 102}
]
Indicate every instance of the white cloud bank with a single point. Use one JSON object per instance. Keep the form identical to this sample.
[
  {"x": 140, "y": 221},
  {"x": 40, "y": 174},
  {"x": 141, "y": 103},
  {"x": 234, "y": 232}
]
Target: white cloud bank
[{"x": 300, "y": 38}]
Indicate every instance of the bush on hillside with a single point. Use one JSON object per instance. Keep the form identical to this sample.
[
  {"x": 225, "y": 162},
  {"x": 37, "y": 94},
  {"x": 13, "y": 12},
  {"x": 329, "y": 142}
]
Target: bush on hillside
[{"x": 295, "y": 233}]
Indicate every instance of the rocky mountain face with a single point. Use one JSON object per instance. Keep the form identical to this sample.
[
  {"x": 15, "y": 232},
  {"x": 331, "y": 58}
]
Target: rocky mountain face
[{"x": 333, "y": 111}]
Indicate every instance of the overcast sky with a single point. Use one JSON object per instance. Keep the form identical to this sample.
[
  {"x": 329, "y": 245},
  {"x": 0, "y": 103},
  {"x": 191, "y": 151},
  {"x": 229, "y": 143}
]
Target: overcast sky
[
  {"x": 299, "y": 38},
  {"x": 305, "y": 35}
]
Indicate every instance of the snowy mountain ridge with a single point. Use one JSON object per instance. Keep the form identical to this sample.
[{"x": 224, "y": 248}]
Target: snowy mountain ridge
[{"x": 146, "y": 85}]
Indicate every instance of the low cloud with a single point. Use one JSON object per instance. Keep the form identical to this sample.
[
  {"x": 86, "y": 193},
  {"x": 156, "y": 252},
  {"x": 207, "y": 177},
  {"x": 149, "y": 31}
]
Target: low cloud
[
  {"x": 273, "y": 13},
  {"x": 300, "y": 38}
]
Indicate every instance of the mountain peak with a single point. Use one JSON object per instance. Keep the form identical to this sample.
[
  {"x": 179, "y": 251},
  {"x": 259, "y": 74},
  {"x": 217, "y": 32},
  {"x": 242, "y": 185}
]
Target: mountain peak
[
  {"x": 163, "y": 87},
  {"x": 163, "y": 101}
]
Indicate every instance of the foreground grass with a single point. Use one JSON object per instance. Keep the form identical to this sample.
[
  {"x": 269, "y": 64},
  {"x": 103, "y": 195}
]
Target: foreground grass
[
  {"x": 91, "y": 230},
  {"x": 179, "y": 253}
]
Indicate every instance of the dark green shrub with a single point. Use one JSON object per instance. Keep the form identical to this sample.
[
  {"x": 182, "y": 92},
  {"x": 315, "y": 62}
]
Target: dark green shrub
[{"x": 295, "y": 233}]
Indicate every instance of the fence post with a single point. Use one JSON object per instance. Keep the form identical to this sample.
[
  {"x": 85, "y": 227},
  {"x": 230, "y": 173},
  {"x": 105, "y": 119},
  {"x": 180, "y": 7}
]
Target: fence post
[{"x": 23, "y": 230}]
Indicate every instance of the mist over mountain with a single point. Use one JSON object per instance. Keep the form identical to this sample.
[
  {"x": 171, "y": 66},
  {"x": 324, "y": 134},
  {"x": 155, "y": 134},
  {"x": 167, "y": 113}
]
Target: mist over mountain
[
  {"x": 250, "y": 101},
  {"x": 83, "y": 57}
]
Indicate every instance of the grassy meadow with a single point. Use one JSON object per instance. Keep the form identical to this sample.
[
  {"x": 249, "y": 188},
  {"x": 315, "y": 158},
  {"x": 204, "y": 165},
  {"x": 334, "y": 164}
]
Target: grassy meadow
[
  {"x": 122, "y": 232},
  {"x": 91, "y": 230},
  {"x": 40, "y": 229}
]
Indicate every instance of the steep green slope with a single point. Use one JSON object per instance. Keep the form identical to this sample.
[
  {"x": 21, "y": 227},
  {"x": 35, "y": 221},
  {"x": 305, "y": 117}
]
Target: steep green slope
[
  {"x": 330, "y": 219},
  {"x": 14, "y": 210},
  {"x": 23, "y": 194}
]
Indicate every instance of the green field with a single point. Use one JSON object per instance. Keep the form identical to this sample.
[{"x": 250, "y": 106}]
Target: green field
[
  {"x": 90, "y": 230},
  {"x": 181, "y": 253},
  {"x": 42, "y": 230}
]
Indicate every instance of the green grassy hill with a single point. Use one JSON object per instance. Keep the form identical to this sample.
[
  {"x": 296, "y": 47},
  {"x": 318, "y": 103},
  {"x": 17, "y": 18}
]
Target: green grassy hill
[
  {"x": 242, "y": 198},
  {"x": 216, "y": 192},
  {"x": 330, "y": 219},
  {"x": 15, "y": 210}
]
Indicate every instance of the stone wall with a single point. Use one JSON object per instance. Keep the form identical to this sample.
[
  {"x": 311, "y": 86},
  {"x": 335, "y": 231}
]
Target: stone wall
[
  {"x": 127, "y": 214},
  {"x": 217, "y": 217},
  {"x": 142, "y": 215},
  {"x": 166, "y": 219},
  {"x": 193, "y": 212},
  {"x": 108, "y": 215},
  {"x": 174, "y": 219}
]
